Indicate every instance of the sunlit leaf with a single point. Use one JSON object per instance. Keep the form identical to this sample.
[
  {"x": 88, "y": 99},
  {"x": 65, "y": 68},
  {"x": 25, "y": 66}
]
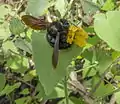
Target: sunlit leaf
[
  {"x": 110, "y": 22},
  {"x": 30, "y": 75},
  {"x": 60, "y": 6},
  {"x": 9, "y": 45},
  {"x": 4, "y": 10},
  {"x": 25, "y": 91},
  {"x": 4, "y": 34},
  {"x": 109, "y": 5},
  {"x": 22, "y": 100},
  {"x": 8, "y": 89},
  {"x": 18, "y": 63},
  {"x": 117, "y": 97},
  {"x": 115, "y": 55}
]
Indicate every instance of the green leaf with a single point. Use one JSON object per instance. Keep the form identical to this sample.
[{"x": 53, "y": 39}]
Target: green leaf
[
  {"x": 23, "y": 45},
  {"x": 104, "y": 61},
  {"x": 30, "y": 75},
  {"x": 4, "y": 34},
  {"x": 115, "y": 55},
  {"x": 4, "y": 10},
  {"x": 57, "y": 92},
  {"x": 102, "y": 90},
  {"x": 40, "y": 89},
  {"x": 23, "y": 100},
  {"x": 75, "y": 100},
  {"x": 109, "y": 5},
  {"x": 37, "y": 7},
  {"x": 8, "y": 89},
  {"x": 42, "y": 55},
  {"x": 17, "y": 63},
  {"x": 25, "y": 91},
  {"x": 2, "y": 81},
  {"x": 89, "y": 7},
  {"x": 16, "y": 26},
  {"x": 60, "y": 6},
  {"x": 117, "y": 97},
  {"x": 107, "y": 27},
  {"x": 9, "y": 45},
  {"x": 72, "y": 100}
]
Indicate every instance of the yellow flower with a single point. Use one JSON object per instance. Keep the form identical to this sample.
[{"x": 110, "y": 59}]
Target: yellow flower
[{"x": 77, "y": 35}]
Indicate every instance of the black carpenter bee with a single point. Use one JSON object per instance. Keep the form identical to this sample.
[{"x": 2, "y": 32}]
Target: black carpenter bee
[{"x": 56, "y": 33}]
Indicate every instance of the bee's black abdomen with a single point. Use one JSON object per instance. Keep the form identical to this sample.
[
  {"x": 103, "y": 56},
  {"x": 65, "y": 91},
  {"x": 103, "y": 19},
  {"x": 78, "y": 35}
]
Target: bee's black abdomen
[{"x": 62, "y": 27}]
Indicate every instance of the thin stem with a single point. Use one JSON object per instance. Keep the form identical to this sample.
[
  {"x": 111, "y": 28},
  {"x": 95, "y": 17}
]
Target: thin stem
[
  {"x": 68, "y": 9},
  {"x": 87, "y": 67},
  {"x": 17, "y": 78},
  {"x": 20, "y": 5},
  {"x": 10, "y": 99},
  {"x": 103, "y": 75},
  {"x": 66, "y": 90},
  {"x": 99, "y": 82}
]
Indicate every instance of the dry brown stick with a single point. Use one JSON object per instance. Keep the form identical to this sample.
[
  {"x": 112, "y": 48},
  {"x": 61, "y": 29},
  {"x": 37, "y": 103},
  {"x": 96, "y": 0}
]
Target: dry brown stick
[
  {"x": 82, "y": 91},
  {"x": 112, "y": 100}
]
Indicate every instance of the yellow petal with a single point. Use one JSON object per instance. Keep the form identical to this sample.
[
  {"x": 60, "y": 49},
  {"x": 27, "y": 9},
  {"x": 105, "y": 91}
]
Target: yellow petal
[
  {"x": 71, "y": 34},
  {"x": 80, "y": 37},
  {"x": 77, "y": 35}
]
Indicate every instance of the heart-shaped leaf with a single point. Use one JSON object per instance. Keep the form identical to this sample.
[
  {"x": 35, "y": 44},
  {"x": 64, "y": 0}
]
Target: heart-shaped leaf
[
  {"x": 42, "y": 54},
  {"x": 107, "y": 27}
]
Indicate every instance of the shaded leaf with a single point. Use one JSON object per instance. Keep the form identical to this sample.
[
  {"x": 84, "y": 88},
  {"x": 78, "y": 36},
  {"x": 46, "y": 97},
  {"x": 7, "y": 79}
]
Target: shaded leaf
[
  {"x": 89, "y": 7},
  {"x": 104, "y": 61},
  {"x": 40, "y": 89},
  {"x": 16, "y": 26},
  {"x": 104, "y": 90},
  {"x": 23, "y": 45},
  {"x": 57, "y": 92},
  {"x": 37, "y": 7},
  {"x": 2, "y": 81},
  {"x": 72, "y": 100},
  {"x": 42, "y": 57}
]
